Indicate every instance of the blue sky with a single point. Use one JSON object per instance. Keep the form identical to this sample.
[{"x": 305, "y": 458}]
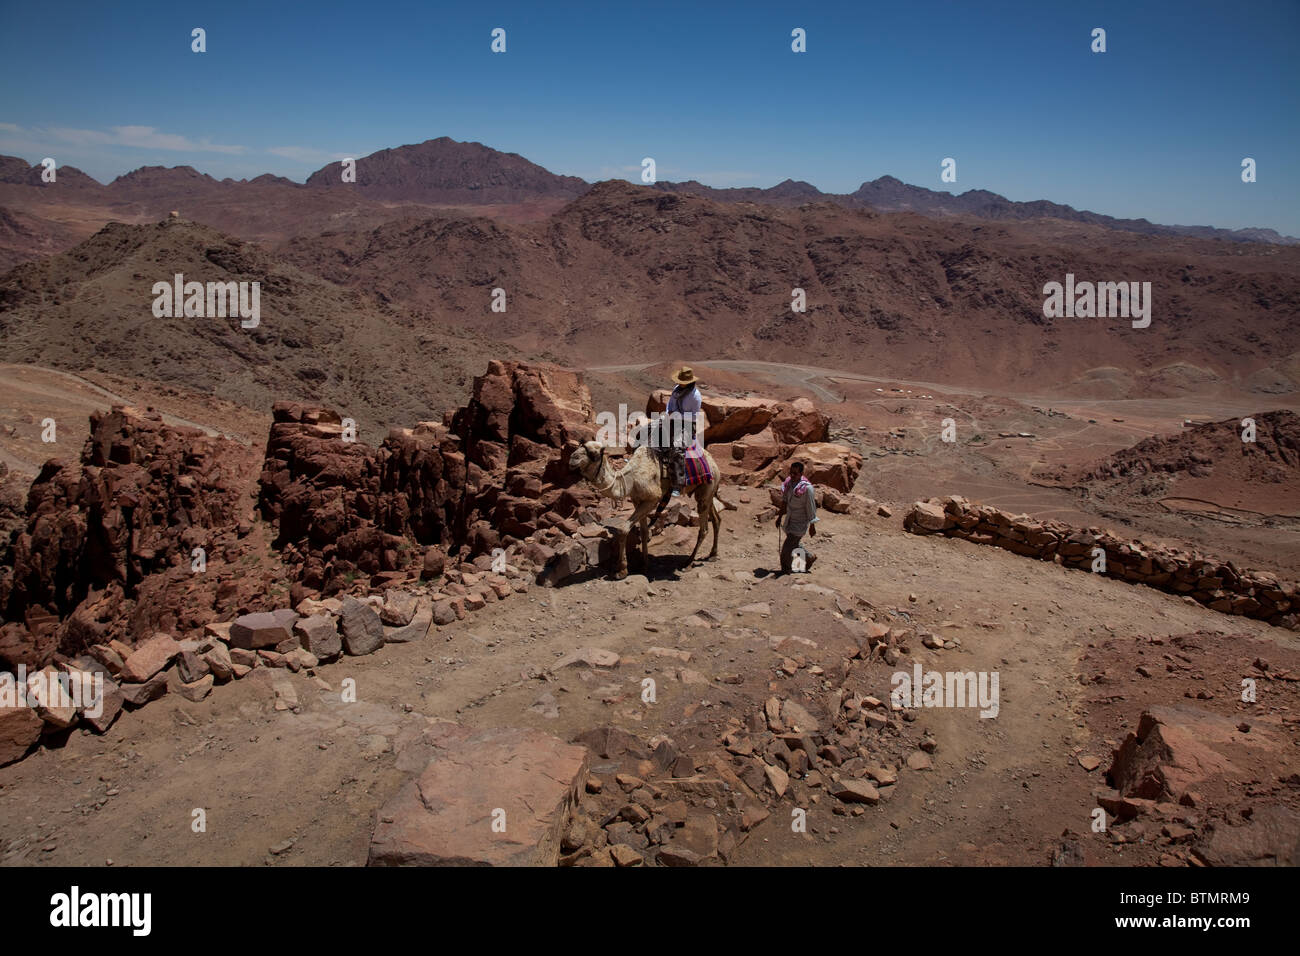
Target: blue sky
[{"x": 1156, "y": 127}]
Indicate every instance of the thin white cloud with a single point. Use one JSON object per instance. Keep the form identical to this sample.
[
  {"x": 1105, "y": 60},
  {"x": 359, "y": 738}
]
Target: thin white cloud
[
  {"x": 139, "y": 137},
  {"x": 306, "y": 154}
]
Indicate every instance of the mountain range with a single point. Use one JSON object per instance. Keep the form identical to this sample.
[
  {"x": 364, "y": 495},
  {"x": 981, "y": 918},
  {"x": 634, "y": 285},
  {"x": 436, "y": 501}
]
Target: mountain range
[
  {"x": 385, "y": 318},
  {"x": 443, "y": 174}
]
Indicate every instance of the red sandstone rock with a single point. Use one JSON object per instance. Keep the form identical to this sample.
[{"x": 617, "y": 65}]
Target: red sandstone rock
[
  {"x": 1166, "y": 756},
  {"x": 108, "y": 541},
  {"x": 800, "y": 423},
  {"x": 20, "y": 729},
  {"x": 149, "y": 658},
  {"x": 526, "y": 779},
  {"x": 829, "y": 464},
  {"x": 349, "y": 508}
]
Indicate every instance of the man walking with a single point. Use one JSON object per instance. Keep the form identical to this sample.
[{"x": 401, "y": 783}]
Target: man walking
[{"x": 799, "y": 508}]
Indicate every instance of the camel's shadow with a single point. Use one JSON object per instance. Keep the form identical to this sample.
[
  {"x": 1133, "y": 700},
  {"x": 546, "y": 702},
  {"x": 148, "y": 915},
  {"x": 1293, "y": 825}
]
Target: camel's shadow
[
  {"x": 667, "y": 567},
  {"x": 662, "y": 567}
]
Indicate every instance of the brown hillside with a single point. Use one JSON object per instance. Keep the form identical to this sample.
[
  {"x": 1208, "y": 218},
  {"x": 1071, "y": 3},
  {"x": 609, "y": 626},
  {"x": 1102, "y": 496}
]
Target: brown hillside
[
  {"x": 625, "y": 273},
  {"x": 443, "y": 170},
  {"x": 91, "y": 308},
  {"x": 1209, "y": 463}
]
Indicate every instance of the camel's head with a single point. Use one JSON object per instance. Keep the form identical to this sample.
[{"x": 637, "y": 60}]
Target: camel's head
[{"x": 586, "y": 455}]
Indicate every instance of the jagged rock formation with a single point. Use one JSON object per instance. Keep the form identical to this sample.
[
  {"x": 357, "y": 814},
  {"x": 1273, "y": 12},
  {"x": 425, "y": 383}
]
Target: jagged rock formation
[
  {"x": 101, "y": 532},
  {"x": 491, "y": 473}
]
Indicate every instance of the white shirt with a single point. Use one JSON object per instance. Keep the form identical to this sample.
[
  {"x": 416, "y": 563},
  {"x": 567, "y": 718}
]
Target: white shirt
[
  {"x": 688, "y": 405},
  {"x": 683, "y": 401}
]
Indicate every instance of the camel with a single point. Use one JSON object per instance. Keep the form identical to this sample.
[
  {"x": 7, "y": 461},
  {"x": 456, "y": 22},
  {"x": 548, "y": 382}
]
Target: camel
[{"x": 641, "y": 480}]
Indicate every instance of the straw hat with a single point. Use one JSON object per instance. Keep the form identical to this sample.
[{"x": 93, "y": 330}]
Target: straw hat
[{"x": 685, "y": 376}]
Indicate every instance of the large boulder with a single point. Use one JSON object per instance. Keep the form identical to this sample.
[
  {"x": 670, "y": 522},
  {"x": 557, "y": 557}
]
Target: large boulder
[
  {"x": 755, "y": 452},
  {"x": 319, "y": 634},
  {"x": 20, "y": 728},
  {"x": 149, "y": 658},
  {"x": 363, "y": 632},
  {"x": 801, "y": 423},
  {"x": 829, "y": 464},
  {"x": 498, "y": 797},
  {"x": 1167, "y": 755},
  {"x": 725, "y": 418},
  {"x": 260, "y": 630},
  {"x": 926, "y": 517},
  {"x": 732, "y": 418}
]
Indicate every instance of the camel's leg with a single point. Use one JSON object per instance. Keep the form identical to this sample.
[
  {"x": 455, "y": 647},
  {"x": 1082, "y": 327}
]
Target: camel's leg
[
  {"x": 645, "y": 544},
  {"x": 704, "y": 507},
  {"x": 622, "y": 541},
  {"x": 715, "y": 518},
  {"x": 640, "y": 519}
]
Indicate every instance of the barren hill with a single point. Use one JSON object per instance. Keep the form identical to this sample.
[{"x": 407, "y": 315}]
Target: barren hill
[
  {"x": 1208, "y": 463},
  {"x": 445, "y": 171},
  {"x": 625, "y": 273},
  {"x": 91, "y": 308}
]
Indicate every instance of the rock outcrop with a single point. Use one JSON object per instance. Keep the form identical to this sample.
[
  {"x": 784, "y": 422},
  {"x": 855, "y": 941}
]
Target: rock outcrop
[
  {"x": 102, "y": 534},
  {"x": 490, "y": 474}
]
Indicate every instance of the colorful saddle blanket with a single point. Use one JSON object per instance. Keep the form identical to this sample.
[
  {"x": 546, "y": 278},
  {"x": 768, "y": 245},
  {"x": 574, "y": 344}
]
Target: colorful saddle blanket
[{"x": 697, "y": 468}]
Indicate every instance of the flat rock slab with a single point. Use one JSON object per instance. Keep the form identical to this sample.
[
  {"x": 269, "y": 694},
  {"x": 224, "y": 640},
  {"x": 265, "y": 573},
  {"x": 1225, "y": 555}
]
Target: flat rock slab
[
  {"x": 1271, "y": 837},
  {"x": 588, "y": 657},
  {"x": 149, "y": 658},
  {"x": 416, "y": 630},
  {"x": 856, "y": 791},
  {"x": 446, "y": 815},
  {"x": 137, "y": 695}
]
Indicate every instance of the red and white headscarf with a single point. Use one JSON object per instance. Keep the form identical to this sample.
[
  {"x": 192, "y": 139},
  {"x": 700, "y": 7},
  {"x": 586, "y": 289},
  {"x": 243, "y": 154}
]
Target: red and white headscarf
[{"x": 800, "y": 486}]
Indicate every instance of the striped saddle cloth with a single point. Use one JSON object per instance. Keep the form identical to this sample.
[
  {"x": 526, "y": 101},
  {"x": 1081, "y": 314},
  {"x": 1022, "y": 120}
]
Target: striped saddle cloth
[{"x": 697, "y": 468}]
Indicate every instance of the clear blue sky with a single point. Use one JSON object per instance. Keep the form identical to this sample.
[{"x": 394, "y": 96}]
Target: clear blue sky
[{"x": 1156, "y": 127}]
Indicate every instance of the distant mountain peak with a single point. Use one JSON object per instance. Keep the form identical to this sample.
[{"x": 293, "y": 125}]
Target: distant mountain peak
[
  {"x": 151, "y": 176},
  {"x": 443, "y": 170},
  {"x": 19, "y": 172}
]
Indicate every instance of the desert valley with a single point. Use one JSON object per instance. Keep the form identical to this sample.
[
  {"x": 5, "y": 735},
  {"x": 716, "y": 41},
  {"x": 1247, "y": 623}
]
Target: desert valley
[{"x": 343, "y": 593}]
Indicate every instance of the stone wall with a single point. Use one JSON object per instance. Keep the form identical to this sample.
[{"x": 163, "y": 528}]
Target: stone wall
[{"x": 1217, "y": 584}]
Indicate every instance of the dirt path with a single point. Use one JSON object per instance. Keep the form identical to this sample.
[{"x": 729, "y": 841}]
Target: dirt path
[{"x": 57, "y": 387}]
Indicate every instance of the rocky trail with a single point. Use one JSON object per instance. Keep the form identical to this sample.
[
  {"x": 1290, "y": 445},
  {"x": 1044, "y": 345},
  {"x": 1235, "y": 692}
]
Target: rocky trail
[
  {"x": 285, "y": 787},
  {"x": 390, "y": 645}
]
